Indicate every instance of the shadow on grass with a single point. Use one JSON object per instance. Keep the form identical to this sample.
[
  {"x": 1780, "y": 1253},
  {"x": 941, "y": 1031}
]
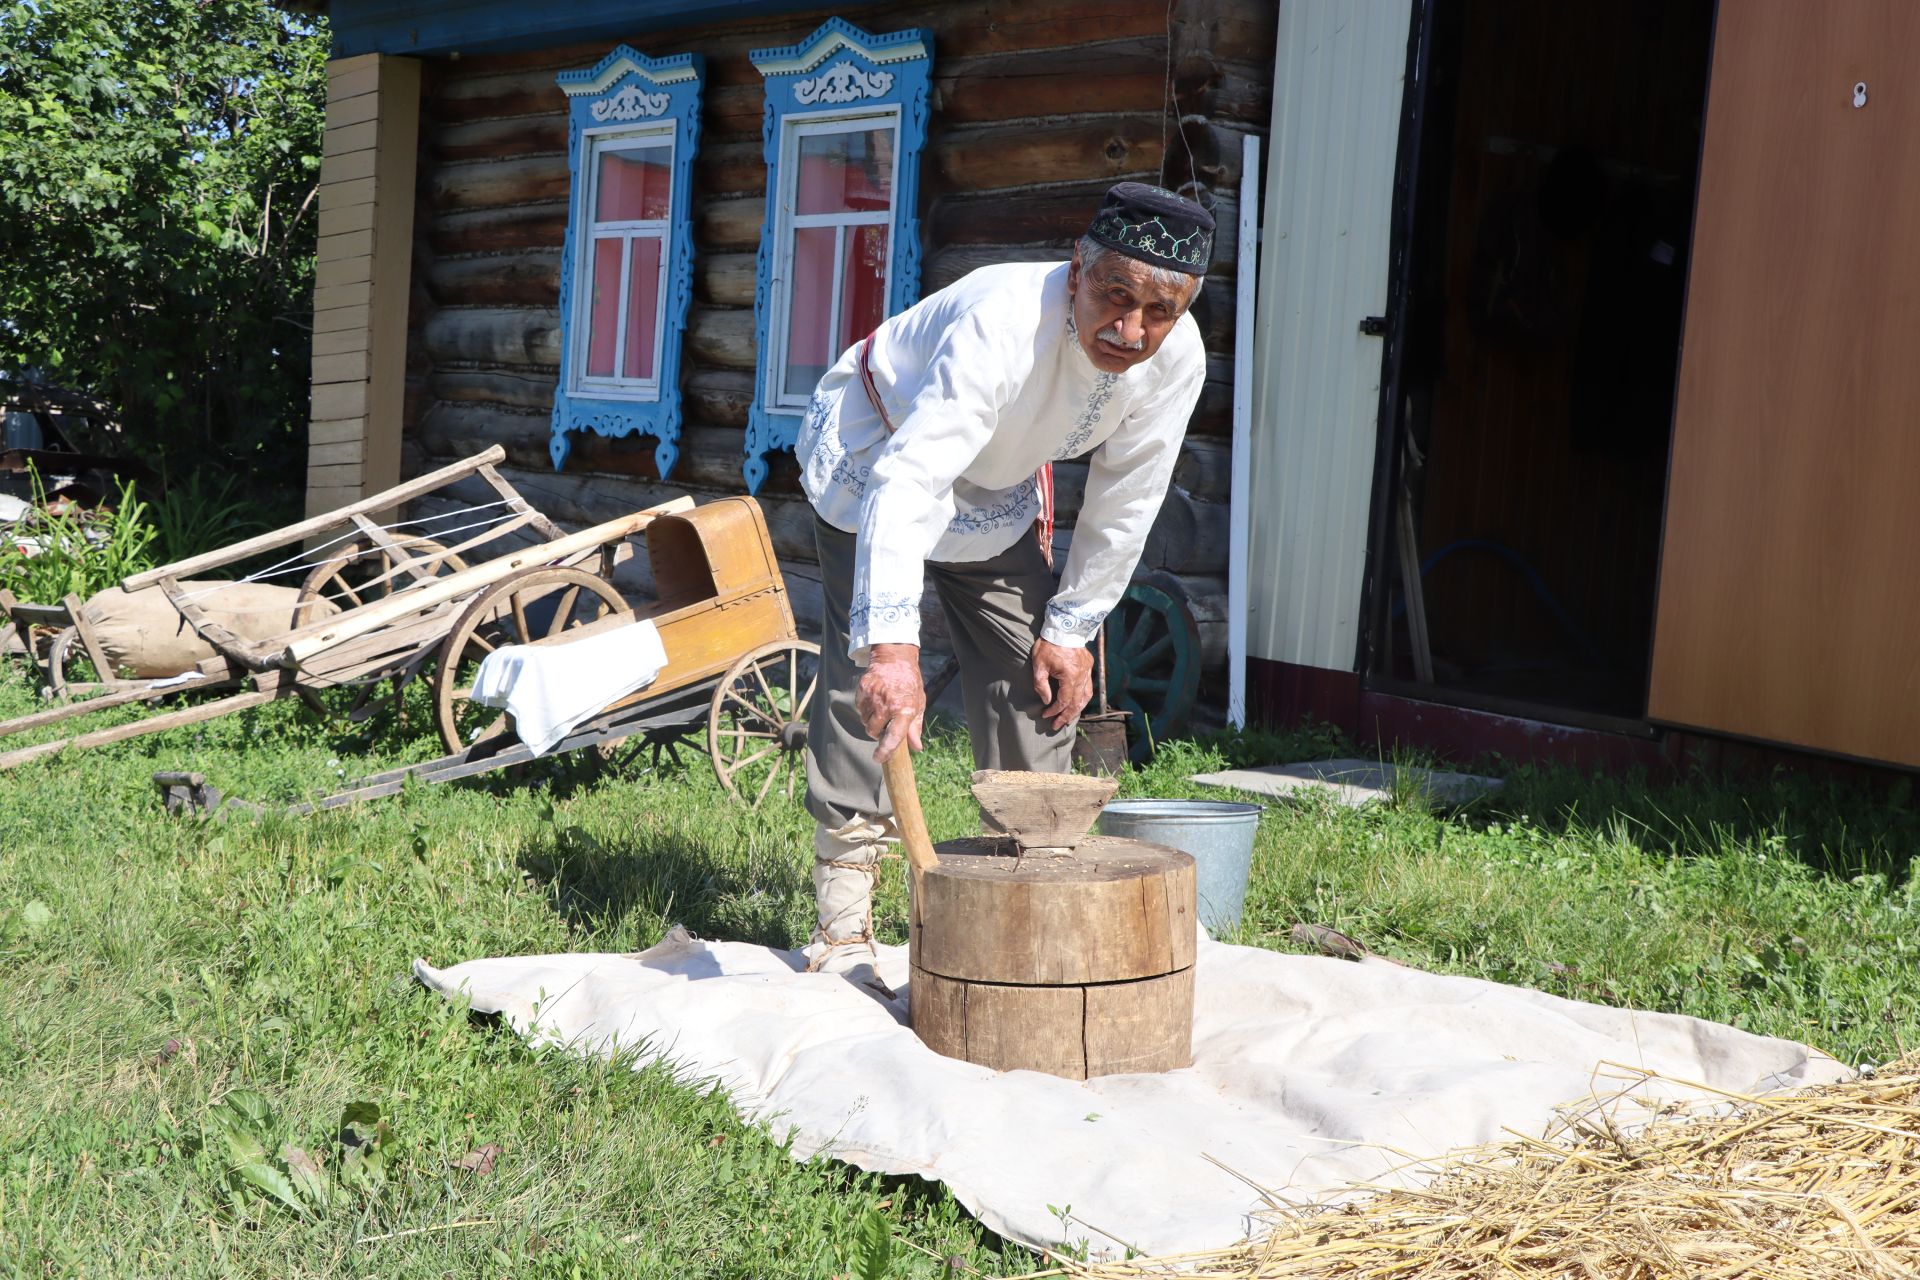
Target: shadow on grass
[
  {"x": 636, "y": 886},
  {"x": 1839, "y": 827},
  {"x": 1838, "y": 823}
]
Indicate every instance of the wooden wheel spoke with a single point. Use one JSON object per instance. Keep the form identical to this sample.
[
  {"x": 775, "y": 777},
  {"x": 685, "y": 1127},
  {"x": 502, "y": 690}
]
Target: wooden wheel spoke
[
  {"x": 754, "y": 711},
  {"x": 1147, "y": 683},
  {"x": 563, "y": 613},
  {"x": 741, "y": 706},
  {"x": 1152, "y": 652},
  {"x": 767, "y": 785},
  {"x": 744, "y": 761},
  {"x": 519, "y": 607},
  {"x": 760, "y": 674}
]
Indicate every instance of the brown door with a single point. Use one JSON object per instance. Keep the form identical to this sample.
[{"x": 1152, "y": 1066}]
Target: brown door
[{"x": 1789, "y": 604}]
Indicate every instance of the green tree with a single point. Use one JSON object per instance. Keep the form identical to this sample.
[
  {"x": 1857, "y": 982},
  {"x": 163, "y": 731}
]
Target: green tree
[{"x": 158, "y": 161}]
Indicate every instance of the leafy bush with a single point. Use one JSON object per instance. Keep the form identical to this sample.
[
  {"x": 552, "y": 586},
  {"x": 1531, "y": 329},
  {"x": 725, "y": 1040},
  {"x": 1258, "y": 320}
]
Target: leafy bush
[
  {"x": 157, "y": 217},
  {"x": 58, "y": 549},
  {"x": 201, "y": 514}
]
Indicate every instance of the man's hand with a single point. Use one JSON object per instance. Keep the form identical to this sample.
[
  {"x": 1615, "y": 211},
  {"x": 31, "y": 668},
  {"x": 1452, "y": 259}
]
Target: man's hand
[
  {"x": 891, "y": 702},
  {"x": 1064, "y": 680}
]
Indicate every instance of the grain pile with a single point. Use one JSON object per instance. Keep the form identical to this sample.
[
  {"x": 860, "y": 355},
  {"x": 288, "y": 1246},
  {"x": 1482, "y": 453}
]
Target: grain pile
[{"x": 1821, "y": 1184}]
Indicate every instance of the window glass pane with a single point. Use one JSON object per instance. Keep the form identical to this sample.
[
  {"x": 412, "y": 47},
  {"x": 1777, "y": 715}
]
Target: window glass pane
[
  {"x": 603, "y": 307},
  {"x": 863, "y": 287},
  {"x": 810, "y": 347},
  {"x": 846, "y": 172},
  {"x": 643, "y": 307},
  {"x": 634, "y": 184}
]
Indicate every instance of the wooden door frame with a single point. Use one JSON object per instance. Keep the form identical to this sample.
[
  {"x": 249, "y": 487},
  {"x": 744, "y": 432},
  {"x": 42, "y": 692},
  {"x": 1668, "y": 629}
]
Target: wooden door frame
[{"x": 1377, "y": 590}]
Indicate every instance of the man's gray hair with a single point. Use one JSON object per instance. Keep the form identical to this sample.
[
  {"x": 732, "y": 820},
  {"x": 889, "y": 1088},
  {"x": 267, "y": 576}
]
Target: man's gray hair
[{"x": 1092, "y": 251}]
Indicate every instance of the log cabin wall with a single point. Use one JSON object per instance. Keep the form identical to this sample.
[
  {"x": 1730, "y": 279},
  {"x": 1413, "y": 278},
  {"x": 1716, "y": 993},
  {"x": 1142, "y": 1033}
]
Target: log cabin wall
[{"x": 1038, "y": 105}]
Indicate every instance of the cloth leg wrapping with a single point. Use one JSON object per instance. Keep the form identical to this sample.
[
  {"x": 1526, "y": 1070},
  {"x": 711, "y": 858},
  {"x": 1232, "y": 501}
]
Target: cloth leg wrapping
[{"x": 845, "y": 860}]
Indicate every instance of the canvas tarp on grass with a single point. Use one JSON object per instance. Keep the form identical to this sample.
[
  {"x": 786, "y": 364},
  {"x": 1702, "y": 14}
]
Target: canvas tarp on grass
[{"x": 1310, "y": 1075}]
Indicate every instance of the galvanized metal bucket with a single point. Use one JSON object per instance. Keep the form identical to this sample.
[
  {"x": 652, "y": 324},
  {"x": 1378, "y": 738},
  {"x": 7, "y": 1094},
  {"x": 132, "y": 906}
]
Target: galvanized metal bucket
[{"x": 1219, "y": 834}]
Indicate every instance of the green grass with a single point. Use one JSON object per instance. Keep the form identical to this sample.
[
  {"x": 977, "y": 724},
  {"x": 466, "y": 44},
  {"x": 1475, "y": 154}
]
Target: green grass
[{"x": 155, "y": 966}]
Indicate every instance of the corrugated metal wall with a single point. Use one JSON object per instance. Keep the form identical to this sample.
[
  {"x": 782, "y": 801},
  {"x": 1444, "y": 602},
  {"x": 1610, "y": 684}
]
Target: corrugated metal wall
[{"x": 1338, "y": 77}]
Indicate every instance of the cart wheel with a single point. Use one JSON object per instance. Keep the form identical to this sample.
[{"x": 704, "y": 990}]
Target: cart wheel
[
  {"x": 59, "y": 652},
  {"x": 527, "y": 606},
  {"x": 1153, "y": 661},
  {"x": 361, "y": 571},
  {"x": 757, "y": 723}
]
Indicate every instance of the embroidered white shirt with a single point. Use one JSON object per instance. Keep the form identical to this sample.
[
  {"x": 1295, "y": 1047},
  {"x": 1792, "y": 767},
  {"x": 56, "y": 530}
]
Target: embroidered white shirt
[{"x": 984, "y": 381}]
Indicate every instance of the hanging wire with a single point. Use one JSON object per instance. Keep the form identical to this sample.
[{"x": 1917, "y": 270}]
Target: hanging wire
[
  {"x": 1167, "y": 102},
  {"x": 304, "y": 561}
]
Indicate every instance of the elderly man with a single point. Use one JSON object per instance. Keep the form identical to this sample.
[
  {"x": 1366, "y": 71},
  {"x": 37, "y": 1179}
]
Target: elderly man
[{"x": 926, "y": 453}]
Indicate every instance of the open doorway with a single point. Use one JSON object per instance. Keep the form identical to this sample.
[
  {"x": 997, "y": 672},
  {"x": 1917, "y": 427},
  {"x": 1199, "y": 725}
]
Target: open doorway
[{"x": 1544, "y": 274}]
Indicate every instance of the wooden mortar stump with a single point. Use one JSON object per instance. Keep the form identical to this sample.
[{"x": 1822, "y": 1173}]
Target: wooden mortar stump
[{"x": 1078, "y": 965}]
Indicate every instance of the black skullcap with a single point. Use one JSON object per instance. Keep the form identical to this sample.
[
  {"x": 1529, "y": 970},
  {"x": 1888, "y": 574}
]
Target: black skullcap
[{"x": 1155, "y": 226}]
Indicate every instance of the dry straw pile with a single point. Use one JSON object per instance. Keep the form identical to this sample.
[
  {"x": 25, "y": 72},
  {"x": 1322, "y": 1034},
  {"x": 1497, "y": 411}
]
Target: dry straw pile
[{"x": 1822, "y": 1184}]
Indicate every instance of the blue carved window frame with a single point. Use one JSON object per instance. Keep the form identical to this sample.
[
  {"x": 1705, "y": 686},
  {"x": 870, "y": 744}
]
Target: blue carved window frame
[
  {"x": 838, "y": 73},
  {"x": 627, "y": 94}
]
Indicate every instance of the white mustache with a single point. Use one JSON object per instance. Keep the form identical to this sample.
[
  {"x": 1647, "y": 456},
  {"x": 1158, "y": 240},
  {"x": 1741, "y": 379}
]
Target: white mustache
[{"x": 1113, "y": 335}]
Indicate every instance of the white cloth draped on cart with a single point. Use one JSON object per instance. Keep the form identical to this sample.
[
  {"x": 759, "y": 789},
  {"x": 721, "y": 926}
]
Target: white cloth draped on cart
[
  {"x": 550, "y": 690},
  {"x": 1309, "y": 1075}
]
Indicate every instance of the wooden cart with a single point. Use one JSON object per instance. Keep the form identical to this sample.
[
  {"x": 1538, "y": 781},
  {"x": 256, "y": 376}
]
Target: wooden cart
[
  {"x": 400, "y": 595},
  {"x": 737, "y": 672}
]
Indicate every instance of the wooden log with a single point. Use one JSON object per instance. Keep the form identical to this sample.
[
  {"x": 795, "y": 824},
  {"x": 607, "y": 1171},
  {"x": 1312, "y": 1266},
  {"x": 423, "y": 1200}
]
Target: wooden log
[
  {"x": 733, "y": 111},
  {"x": 456, "y": 428},
  {"x": 483, "y": 184},
  {"x": 956, "y": 261},
  {"x": 1109, "y": 77},
  {"x": 494, "y": 335},
  {"x": 1007, "y": 953},
  {"x": 1051, "y": 217},
  {"x": 737, "y": 167},
  {"x": 1206, "y": 599},
  {"x": 531, "y": 278},
  {"x": 720, "y": 398},
  {"x": 1120, "y": 1028},
  {"x": 722, "y": 336},
  {"x": 1205, "y": 469},
  {"x": 531, "y": 226},
  {"x": 1188, "y": 536},
  {"x": 1213, "y": 88},
  {"x": 1231, "y": 28},
  {"x": 523, "y": 388},
  {"x": 726, "y": 279},
  {"x": 731, "y": 224},
  {"x": 468, "y": 97},
  {"x": 541, "y": 134},
  {"x": 1112, "y": 911},
  {"x": 1106, "y": 149}
]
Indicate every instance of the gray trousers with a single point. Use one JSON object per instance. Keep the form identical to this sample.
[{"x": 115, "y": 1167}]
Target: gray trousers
[{"x": 994, "y": 609}]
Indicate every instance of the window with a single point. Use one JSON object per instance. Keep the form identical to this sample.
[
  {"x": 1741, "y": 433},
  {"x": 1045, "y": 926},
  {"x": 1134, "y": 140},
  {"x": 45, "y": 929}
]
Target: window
[
  {"x": 626, "y": 272},
  {"x": 840, "y": 248},
  {"x": 617, "y": 332},
  {"x": 831, "y": 290}
]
